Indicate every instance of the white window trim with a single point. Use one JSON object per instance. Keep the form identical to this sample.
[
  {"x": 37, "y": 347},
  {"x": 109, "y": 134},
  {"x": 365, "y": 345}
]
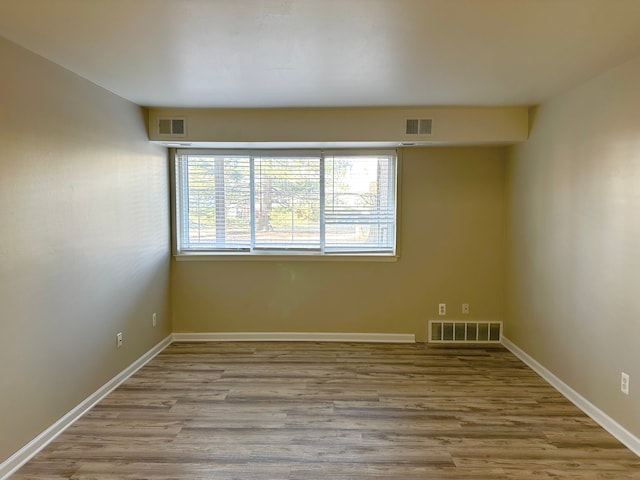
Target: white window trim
[{"x": 278, "y": 256}]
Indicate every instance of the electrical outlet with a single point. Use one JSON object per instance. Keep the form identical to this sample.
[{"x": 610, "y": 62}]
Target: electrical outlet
[
  {"x": 442, "y": 309},
  {"x": 154, "y": 320},
  {"x": 119, "y": 339},
  {"x": 624, "y": 383},
  {"x": 465, "y": 309}
]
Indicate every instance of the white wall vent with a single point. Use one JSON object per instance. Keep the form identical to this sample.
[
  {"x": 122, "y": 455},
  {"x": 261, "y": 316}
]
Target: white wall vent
[
  {"x": 442, "y": 331},
  {"x": 418, "y": 126},
  {"x": 173, "y": 127}
]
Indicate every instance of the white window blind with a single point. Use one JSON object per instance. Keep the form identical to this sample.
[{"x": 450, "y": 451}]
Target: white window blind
[
  {"x": 287, "y": 192},
  {"x": 215, "y": 200},
  {"x": 286, "y": 202},
  {"x": 360, "y": 203}
]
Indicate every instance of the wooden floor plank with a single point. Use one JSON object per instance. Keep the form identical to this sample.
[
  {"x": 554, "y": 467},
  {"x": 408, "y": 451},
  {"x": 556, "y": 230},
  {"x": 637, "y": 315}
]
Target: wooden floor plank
[{"x": 279, "y": 410}]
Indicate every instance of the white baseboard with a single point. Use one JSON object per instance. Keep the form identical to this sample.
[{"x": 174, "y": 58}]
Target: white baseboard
[
  {"x": 22, "y": 456},
  {"x": 294, "y": 337},
  {"x": 605, "y": 421}
]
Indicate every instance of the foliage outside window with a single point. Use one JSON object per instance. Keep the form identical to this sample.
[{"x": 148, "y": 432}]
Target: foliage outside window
[{"x": 286, "y": 202}]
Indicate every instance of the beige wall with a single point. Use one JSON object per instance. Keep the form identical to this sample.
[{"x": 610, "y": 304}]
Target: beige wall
[
  {"x": 573, "y": 272},
  {"x": 451, "y": 251},
  {"x": 84, "y": 241}
]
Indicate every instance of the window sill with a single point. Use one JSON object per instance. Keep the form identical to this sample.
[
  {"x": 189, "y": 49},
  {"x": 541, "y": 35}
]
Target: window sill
[{"x": 257, "y": 257}]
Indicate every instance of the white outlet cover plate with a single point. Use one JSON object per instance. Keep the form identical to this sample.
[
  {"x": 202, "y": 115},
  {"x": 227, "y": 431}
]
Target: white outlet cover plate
[{"x": 624, "y": 383}]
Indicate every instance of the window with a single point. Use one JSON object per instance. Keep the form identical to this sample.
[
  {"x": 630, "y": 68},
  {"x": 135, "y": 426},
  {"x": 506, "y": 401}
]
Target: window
[{"x": 286, "y": 202}]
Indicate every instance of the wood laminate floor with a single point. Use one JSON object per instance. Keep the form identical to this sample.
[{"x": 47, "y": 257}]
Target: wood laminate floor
[{"x": 334, "y": 411}]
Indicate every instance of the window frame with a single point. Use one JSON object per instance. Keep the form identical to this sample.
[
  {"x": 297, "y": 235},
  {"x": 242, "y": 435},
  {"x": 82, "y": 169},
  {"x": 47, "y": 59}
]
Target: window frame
[{"x": 283, "y": 254}]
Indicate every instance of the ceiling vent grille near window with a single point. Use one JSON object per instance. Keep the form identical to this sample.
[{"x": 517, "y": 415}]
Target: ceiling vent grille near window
[
  {"x": 173, "y": 127},
  {"x": 418, "y": 126}
]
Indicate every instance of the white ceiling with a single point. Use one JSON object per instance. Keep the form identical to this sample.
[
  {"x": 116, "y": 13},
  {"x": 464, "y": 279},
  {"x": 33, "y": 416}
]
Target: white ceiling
[{"x": 292, "y": 53}]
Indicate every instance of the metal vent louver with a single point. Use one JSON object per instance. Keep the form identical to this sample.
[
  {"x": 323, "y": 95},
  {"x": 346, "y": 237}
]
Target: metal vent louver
[
  {"x": 418, "y": 126},
  {"x": 442, "y": 331},
  {"x": 174, "y": 127}
]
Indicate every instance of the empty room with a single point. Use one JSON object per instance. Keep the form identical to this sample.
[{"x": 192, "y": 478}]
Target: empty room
[{"x": 304, "y": 239}]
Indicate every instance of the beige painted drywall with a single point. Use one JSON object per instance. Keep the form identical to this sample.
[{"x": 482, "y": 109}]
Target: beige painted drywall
[
  {"x": 573, "y": 269},
  {"x": 84, "y": 241},
  {"x": 451, "y": 125},
  {"x": 451, "y": 251}
]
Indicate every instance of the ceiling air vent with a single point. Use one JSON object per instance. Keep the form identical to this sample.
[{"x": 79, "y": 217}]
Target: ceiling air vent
[
  {"x": 418, "y": 126},
  {"x": 173, "y": 127}
]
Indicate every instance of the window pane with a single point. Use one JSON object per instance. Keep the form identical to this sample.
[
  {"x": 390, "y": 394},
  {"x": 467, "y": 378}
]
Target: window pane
[
  {"x": 287, "y": 203},
  {"x": 360, "y": 203},
  {"x": 216, "y": 206},
  {"x": 284, "y": 201}
]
